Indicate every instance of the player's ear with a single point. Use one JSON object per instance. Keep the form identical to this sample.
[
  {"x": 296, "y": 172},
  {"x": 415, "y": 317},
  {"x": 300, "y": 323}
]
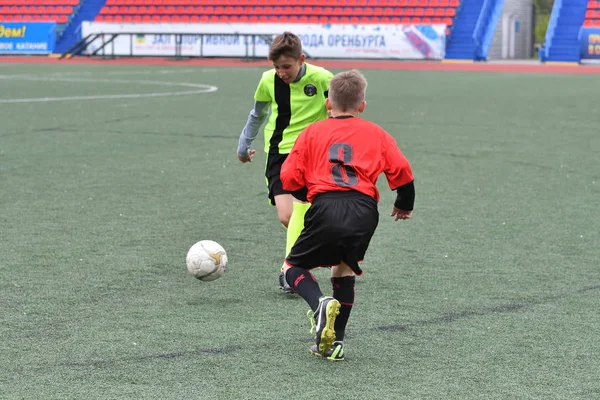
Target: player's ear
[
  {"x": 328, "y": 105},
  {"x": 301, "y": 59},
  {"x": 362, "y": 106}
]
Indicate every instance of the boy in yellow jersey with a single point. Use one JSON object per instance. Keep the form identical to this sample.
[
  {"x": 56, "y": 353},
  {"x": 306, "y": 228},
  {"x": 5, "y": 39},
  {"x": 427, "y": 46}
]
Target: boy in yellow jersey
[{"x": 295, "y": 93}]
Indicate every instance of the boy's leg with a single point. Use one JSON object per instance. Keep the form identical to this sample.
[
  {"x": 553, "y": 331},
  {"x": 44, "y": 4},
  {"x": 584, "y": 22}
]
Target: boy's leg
[
  {"x": 282, "y": 200},
  {"x": 294, "y": 223},
  {"x": 284, "y": 203},
  {"x": 326, "y": 308},
  {"x": 342, "y": 280},
  {"x": 344, "y": 291},
  {"x": 305, "y": 284},
  {"x": 285, "y": 208},
  {"x": 295, "y": 226}
]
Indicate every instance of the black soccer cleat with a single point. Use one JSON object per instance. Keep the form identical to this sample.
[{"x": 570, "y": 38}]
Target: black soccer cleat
[
  {"x": 335, "y": 353},
  {"x": 325, "y": 315},
  {"x": 284, "y": 286}
]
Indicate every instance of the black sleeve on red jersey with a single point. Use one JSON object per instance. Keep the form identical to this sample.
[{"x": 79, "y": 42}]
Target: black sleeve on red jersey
[{"x": 405, "y": 200}]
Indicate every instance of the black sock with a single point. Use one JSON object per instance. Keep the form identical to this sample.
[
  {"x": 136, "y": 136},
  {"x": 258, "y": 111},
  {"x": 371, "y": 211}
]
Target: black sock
[
  {"x": 343, "y": 291},
  {"x": 305, "y": 284}
]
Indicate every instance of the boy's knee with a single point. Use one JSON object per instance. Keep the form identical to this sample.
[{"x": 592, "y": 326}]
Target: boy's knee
[
  {"x": 284, "y": 206},
  {"x": 284, "y": 218},
  {"x": 342, "y": 270}
]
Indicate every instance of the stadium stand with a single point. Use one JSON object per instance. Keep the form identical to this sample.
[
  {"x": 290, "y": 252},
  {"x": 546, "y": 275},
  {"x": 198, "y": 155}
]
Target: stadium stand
[
  {"x": 59, "y": 11},
  {"x": 561, "y": 43},
  {"x": 592, "y": 14},
  {"x": 68, "y": 14},
  {"x": 292, "y": 11},
  {"x": 460, "y": 44}
]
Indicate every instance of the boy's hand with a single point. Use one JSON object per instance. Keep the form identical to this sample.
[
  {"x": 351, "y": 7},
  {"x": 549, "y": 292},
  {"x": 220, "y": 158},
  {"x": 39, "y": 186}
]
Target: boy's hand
[
  {"x": 247, "y": 158},
  {"x": 400, "y": 214}
]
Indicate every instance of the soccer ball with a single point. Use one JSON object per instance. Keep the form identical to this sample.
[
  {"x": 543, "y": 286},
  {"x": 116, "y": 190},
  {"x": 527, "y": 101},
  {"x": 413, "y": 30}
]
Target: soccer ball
[{"x": 206, "y": 260}]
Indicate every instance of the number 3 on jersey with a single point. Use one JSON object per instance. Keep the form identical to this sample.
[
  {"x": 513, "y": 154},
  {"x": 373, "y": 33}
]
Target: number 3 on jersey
[{"x": 344, "y": 175}]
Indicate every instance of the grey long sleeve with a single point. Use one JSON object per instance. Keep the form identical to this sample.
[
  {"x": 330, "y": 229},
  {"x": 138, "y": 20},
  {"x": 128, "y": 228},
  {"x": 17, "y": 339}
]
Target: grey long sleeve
[{"x": 255, "y": 120}]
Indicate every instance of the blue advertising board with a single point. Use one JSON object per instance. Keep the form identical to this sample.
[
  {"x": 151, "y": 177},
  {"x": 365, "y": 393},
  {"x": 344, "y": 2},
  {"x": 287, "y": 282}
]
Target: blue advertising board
[
  {"x": 589, "y": 45},
  {"x": 27, "y": 38}
]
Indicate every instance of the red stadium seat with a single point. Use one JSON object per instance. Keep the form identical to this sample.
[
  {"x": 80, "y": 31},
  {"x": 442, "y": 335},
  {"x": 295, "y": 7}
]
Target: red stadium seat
[{"x": 260, "y": 11}]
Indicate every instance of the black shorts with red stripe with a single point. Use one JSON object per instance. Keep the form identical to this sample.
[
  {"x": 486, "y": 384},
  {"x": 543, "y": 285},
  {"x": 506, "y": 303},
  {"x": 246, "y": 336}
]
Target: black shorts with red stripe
[{"x": 338, "y": 227}]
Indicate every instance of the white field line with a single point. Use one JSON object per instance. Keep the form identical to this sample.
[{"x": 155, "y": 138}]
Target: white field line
[{"x": 198, "y": 88}]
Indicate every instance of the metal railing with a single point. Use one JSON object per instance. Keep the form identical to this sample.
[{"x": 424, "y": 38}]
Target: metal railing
[
  {"x": 107, "y": 41},
  {"x": 479, "y": 31},
  {"x": 551, "y": 27}
]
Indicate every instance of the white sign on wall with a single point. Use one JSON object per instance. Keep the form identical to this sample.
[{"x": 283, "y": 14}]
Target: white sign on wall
[{"x": 225, "y": 40}]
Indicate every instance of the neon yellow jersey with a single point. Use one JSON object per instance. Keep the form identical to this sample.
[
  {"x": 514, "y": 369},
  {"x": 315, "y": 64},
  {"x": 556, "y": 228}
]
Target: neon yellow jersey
[{"x": 294, "y": 106}]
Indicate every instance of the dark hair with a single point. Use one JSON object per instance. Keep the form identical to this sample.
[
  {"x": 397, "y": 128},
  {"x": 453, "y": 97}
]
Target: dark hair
[{"x": 287, "y": 44}]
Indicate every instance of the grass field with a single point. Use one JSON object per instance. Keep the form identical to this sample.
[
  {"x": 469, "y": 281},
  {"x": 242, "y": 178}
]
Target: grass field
[{"x": 491, "y": 291}]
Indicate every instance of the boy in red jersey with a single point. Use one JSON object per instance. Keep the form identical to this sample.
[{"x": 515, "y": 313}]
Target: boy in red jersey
[{"x": 339, "y": 160}]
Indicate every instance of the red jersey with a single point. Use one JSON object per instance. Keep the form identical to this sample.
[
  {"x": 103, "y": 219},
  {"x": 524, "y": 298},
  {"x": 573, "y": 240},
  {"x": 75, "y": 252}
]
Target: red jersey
[{"x": 341, "y": 154}]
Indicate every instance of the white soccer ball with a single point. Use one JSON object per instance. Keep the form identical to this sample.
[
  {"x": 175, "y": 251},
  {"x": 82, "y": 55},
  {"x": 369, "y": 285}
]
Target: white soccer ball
[{"x": 206, "y": 260}]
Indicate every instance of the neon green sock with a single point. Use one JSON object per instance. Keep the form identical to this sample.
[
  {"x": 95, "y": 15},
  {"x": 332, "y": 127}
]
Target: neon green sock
[{"x": 295, "y": 226}]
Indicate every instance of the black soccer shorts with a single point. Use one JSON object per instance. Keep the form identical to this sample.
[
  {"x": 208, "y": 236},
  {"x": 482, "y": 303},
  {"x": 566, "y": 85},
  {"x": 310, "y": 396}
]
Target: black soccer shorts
[
  {"x": 338, "y": 227},
  {"x": 272, "y": 170}
]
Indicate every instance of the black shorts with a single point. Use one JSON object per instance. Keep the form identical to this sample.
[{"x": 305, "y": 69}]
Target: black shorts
[
  {"x": 338, "y": 227},
  {"x": 272, "y": 170}
]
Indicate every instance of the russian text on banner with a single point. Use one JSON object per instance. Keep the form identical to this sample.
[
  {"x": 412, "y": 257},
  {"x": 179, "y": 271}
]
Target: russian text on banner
[
  {"x": 27, "y": 38},
  {"x": 589, "y": 45},
  {"x": 371, "y": 41}
]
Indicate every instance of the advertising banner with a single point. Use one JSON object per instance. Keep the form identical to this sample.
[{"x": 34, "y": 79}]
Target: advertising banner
[
  {"x": 589, "y": 45},
  {"x": 370, "y": 41},
  {"x": 27, "y": 38}
]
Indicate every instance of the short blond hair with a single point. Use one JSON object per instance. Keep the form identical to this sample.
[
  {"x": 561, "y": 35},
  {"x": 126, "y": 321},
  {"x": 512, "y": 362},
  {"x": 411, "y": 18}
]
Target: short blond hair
[
  {"x": 287, "y": 44},
  {"x": 347, "y": 90}
]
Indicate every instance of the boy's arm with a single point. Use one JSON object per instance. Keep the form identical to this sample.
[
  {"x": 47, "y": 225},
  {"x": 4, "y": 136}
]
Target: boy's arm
[
  {"x": 400, "y": 178},
  {"x": 255, "y": 120},
  {"x": 405, "y": 198},
  {"x": 292, "y": 170}
]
